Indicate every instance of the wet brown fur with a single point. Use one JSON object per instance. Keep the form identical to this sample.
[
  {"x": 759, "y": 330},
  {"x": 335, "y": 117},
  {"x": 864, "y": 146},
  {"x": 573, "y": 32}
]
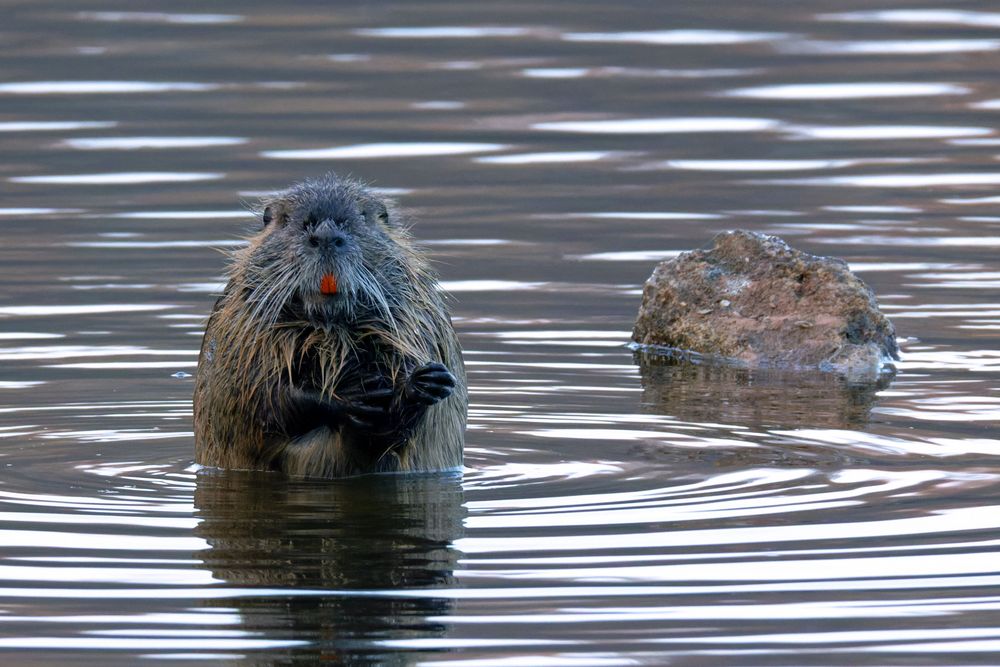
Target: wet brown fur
[{"x": 252, "y": 349}]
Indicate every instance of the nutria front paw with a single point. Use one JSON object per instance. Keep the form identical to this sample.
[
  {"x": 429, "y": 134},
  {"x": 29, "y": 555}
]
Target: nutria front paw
[
  {"x": 360, "y": 409},
  {"x": 429, "y": 384},
  {"x": 365, "y": 409}
]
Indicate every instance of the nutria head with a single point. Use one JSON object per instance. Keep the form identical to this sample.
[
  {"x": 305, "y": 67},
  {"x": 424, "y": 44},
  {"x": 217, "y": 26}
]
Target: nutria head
[{"x": 328, "y": 253}]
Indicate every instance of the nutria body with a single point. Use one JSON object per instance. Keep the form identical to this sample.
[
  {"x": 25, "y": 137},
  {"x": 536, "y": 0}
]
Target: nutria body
[{"x": 330, "y": 353}]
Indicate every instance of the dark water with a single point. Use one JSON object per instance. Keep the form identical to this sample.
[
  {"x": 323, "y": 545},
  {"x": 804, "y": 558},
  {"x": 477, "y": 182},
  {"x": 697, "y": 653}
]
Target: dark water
[{"x": 612, "y": 512}]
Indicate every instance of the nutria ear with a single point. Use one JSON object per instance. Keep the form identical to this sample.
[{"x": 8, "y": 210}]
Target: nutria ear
[
  {"x": 375, "y": 211},
  {"x": 272, "y": 211}
]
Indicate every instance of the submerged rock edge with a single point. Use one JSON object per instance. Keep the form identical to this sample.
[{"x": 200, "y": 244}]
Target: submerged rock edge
[{"x": 884, "y": 366}]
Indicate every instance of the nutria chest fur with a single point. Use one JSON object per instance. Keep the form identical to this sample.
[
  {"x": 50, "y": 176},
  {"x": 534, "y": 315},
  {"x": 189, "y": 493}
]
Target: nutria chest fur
[{"x": 331, "y": 351}]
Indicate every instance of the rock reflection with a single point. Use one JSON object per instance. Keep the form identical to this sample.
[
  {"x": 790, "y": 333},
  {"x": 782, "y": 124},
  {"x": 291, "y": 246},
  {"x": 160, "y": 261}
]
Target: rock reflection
[
  {"x": 719, "y": 393},
  {"x": 372, "y": 534}
]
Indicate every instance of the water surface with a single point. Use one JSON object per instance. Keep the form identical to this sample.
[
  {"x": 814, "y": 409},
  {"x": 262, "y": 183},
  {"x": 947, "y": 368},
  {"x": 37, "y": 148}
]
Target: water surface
[{"x": 615, "y": 509}]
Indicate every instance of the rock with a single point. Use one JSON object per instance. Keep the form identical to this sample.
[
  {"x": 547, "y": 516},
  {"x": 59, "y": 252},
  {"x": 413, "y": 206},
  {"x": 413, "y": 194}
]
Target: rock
[{"x": 753, "y": 300}]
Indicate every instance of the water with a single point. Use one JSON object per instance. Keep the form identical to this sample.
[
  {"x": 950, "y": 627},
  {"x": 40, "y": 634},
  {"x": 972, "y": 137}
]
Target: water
[{"x": 614, "y": 509}]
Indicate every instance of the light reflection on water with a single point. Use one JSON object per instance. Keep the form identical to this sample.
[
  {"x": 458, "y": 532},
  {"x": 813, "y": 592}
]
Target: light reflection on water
[
  {"x": 383, "y": 151},
  {"x": 100, "y": 87},
  {"x": 660, "y": 125},
  {"x": 123, "y": 178},
  {"x": 846, "y": 91},
  {"x": 615, "y": 508}
]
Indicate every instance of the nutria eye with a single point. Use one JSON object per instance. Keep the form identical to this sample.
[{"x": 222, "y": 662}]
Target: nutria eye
[
  {"x": 376, "y": 211},
  {"x": 268, "y": 215}
]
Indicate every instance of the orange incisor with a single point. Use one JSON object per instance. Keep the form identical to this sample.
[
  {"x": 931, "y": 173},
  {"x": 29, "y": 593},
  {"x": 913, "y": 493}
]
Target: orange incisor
[{"x": 328, "y": 285}]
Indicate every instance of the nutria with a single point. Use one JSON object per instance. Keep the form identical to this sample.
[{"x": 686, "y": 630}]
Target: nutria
[{"x": 330, "y": 352}]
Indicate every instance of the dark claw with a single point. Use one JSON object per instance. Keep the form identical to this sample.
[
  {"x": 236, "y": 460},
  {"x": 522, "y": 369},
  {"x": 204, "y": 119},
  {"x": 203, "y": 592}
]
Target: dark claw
[
  {"x": 437, "y": 391},
  {"x": 431, "y": 366},
  {"x": 375, "y": 397},
  {"x": 359, "y": 422},
  {"x": 374, "y": 393},
  {"x": 429, "y": 370},
  {"x": 362, "y": 410},
  {"x": 363, "y": 416},
  {"x": 430, "y": 397},
  {"x": 436, "y": 378}
]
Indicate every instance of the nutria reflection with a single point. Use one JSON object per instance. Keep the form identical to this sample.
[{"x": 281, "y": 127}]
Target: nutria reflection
[
  {"x": 380, "y": 533},
  {"x": 718, "y": 393}
]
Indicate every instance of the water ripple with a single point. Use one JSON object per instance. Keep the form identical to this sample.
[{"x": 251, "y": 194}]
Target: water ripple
[
  {"x": 919, "y": 16},
  {"x": 848, "y": 91},
  {"x": 892, "y": 47},
  {"x": 160, "y": 17},
  {"x": 900, "y": 180},
  {"x": 137, "y": 143},
  {"x": 386, "y": 150},
  {"x": 547, "y": 158},
  {"x": 444, "y": 32},
  {"x": 102, "y": 87},
  {"x": 887, "y": 132},
  {"x": 676, "y": 37},
  {"x": 944, "y": 522},
  {"x": 660, "y": 125},
  {"x": 119, "y": 178},
  {"x": 53, "y": 126},
  {"x": 81, "y": 309}
]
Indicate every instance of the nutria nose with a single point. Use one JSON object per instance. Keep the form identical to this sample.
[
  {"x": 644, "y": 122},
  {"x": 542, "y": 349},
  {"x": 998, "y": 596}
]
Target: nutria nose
[{"x": 327, "y": 235}]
